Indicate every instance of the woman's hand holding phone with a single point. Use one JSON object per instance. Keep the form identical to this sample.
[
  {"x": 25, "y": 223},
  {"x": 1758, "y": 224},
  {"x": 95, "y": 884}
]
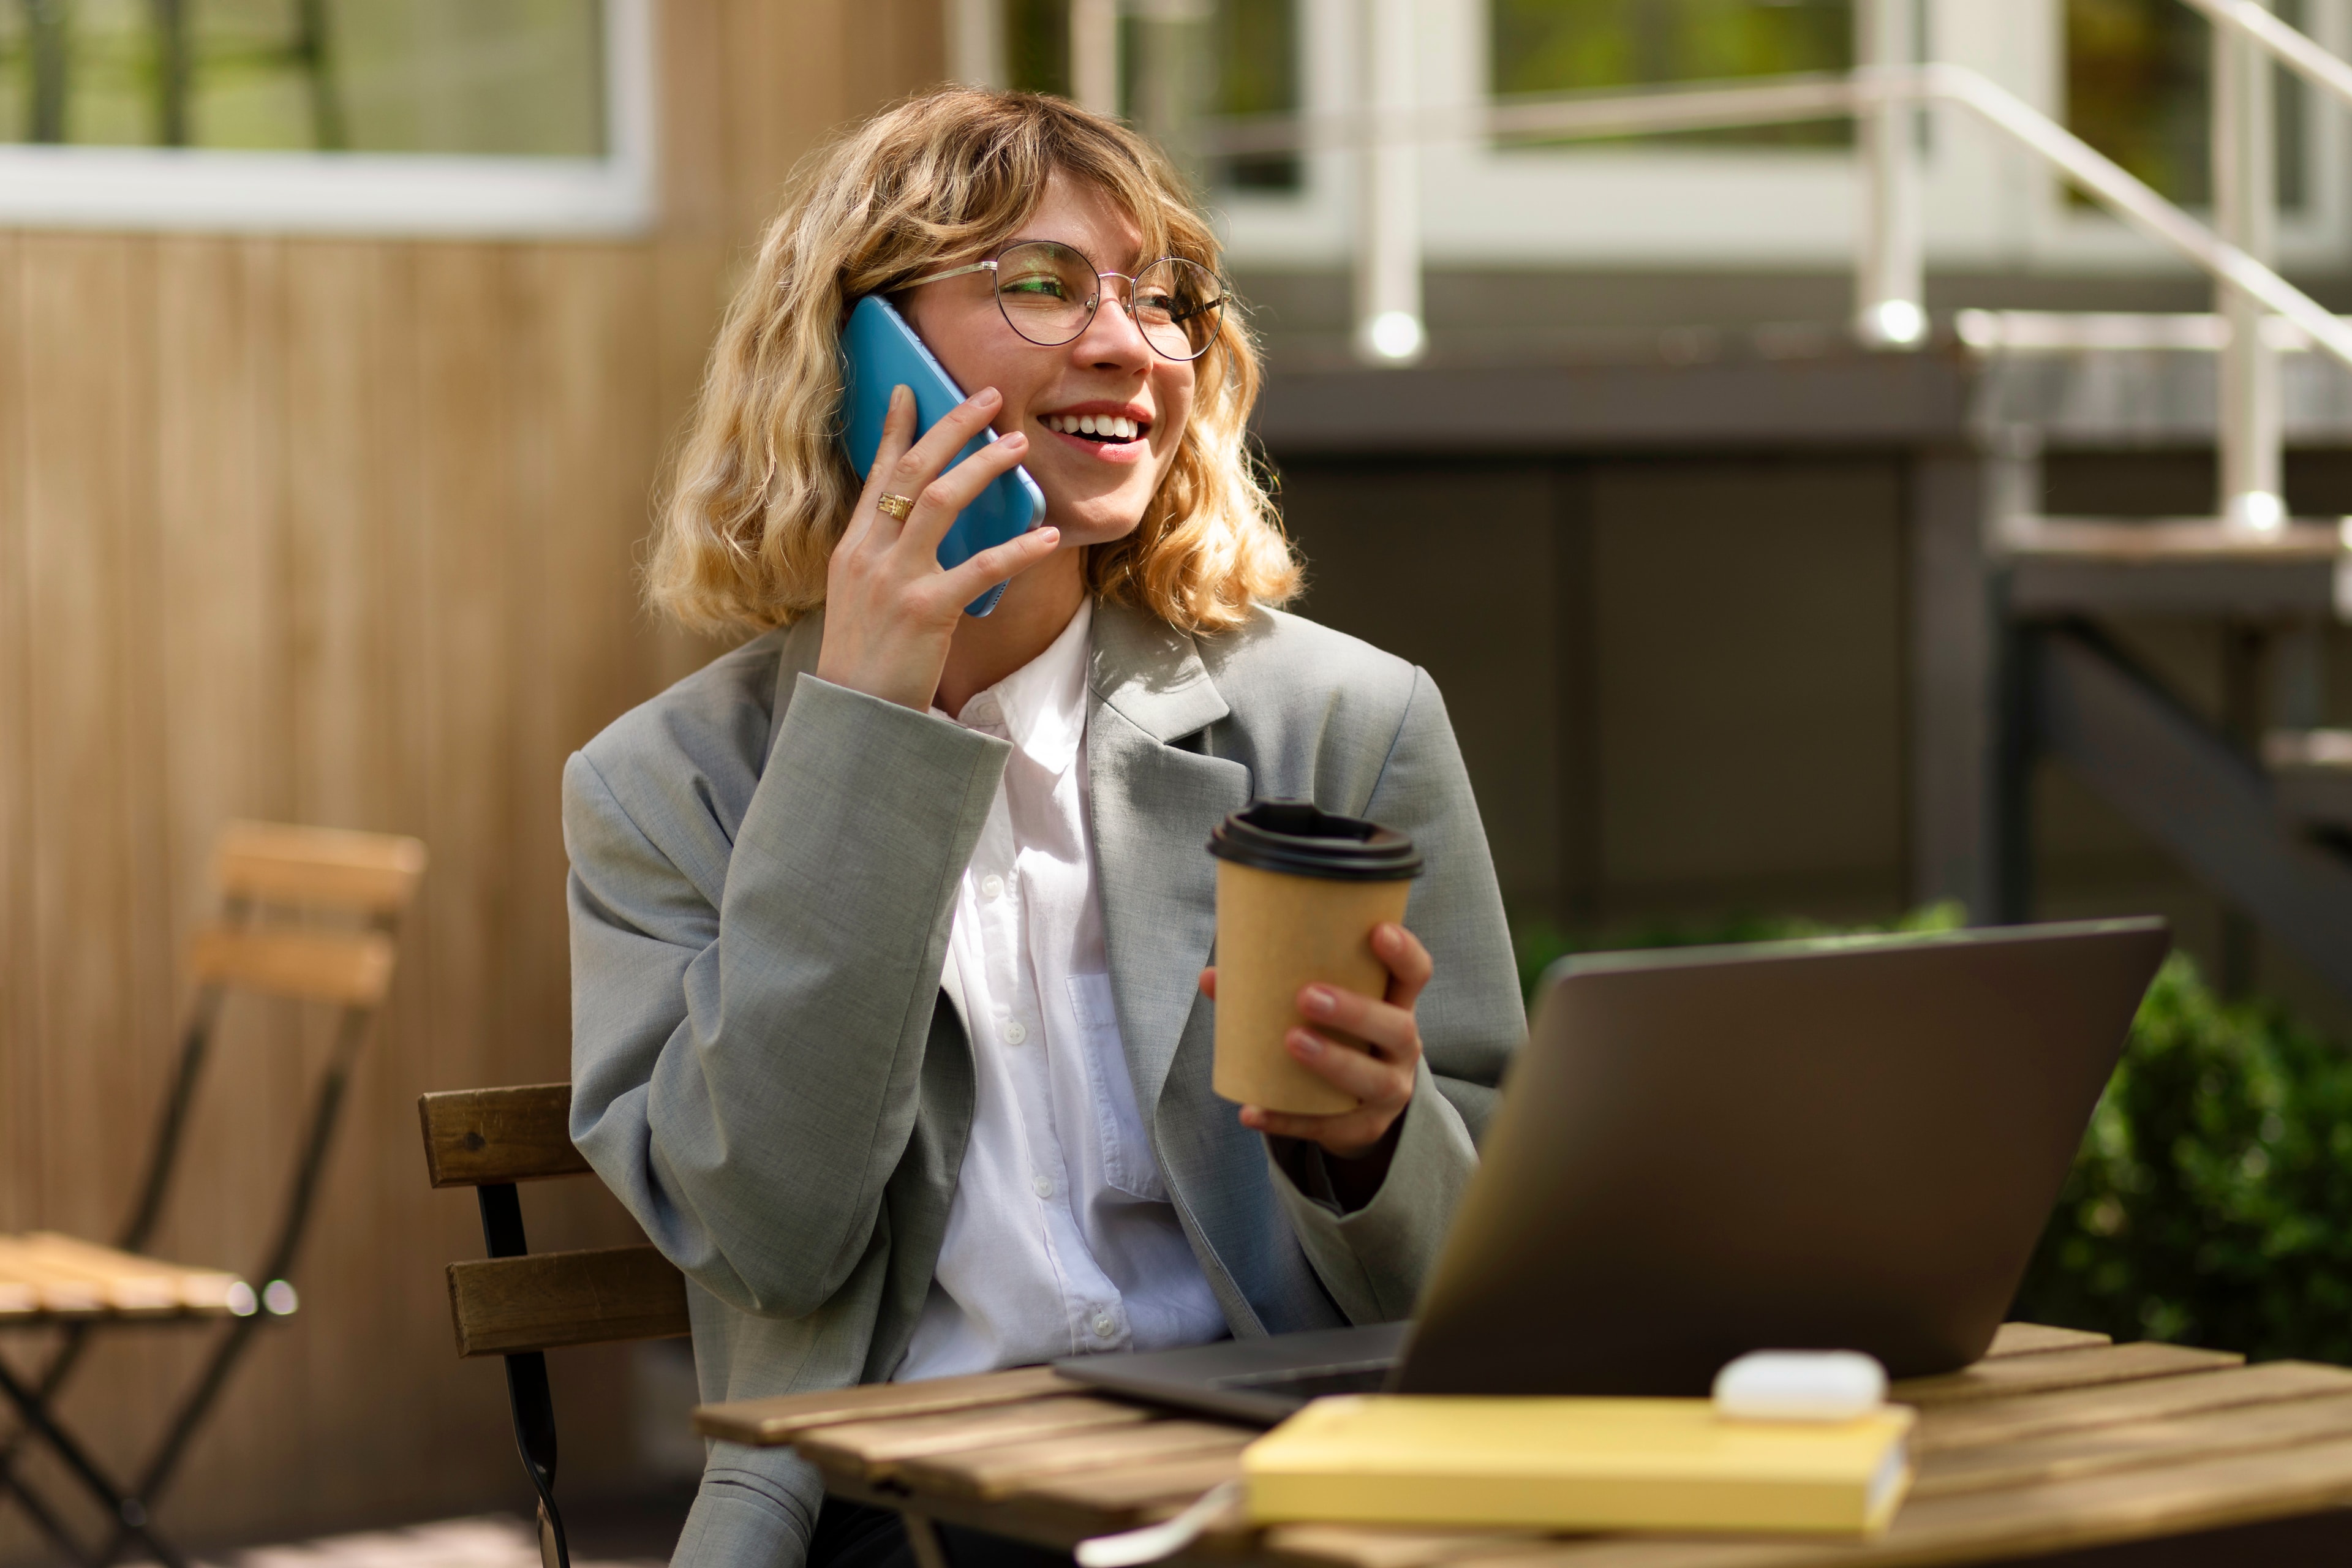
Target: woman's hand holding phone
[{"x": 890, "y": 612}]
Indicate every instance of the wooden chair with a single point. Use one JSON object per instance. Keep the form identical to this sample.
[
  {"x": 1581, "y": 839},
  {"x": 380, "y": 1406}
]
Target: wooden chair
[
  {"x": 517, "y": 1305},
  {"x": 275, "y": 883}
]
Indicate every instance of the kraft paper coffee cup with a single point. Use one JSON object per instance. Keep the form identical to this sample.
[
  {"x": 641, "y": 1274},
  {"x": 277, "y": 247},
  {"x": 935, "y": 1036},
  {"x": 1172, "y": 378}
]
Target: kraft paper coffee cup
[{"x": 1299, "y": 892}]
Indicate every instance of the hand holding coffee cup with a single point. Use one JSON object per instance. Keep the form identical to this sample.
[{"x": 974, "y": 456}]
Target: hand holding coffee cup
[{"x": 1315, "y": 976}]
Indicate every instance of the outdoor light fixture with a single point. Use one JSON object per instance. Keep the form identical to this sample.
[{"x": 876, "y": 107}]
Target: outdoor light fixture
[
  {"x": 2256, "y": 511},
  {"x": 1395, "y": 336},
  {"x": 1894, "y": 323}
]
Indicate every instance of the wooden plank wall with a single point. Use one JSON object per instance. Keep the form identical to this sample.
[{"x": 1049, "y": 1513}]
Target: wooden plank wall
[{"x": 343, "y": 532}]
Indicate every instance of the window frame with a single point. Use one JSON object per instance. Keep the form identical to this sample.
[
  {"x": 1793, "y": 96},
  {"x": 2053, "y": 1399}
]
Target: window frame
[{"x": 411, "y": 195}]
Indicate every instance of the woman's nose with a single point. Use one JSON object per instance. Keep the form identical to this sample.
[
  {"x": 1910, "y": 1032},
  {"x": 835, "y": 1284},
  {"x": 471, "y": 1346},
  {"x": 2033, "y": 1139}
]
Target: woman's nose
[{"x": 1114, "y": 337}]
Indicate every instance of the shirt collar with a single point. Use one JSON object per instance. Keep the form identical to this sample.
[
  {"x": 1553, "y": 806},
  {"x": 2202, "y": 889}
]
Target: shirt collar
[{"x": 1042, "y": 707}]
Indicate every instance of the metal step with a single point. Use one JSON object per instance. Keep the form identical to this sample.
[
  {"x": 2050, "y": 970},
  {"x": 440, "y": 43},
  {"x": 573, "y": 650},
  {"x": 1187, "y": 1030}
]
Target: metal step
[
  {"x": 2311, "y": 776},
  {"x": 2107, "y": 380},
  {"x": 2090, "y": 706},
  {"x": 2067, "y": 565}
]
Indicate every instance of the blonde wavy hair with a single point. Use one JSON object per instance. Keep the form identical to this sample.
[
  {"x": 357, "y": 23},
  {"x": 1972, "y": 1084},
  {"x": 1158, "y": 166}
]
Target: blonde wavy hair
[{"x": 761, "y": 489}]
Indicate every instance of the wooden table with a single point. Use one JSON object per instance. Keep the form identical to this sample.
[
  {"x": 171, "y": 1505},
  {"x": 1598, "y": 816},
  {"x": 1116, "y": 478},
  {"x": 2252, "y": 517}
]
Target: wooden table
[{"x": 2056, "y": 1440}]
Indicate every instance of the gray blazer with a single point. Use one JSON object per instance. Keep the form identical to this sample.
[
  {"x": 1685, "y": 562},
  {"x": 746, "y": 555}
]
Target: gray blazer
[{"x": 762, "y": 869}]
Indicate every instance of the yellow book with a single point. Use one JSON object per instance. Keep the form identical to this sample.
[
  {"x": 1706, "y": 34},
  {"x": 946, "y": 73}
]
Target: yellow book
[{"x": 1577, "y": 1464}]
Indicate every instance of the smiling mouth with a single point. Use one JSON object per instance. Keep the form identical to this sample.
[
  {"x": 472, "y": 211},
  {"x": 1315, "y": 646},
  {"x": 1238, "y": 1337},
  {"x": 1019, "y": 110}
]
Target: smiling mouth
[{"x": 1103, "y": 427}]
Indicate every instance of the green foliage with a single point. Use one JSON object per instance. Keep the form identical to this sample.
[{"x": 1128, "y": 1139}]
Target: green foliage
[
  {"x": 2210, "y": 1202},
  {"x": 1552, "y": 45},
  {"x": 2207, "y": 1204}
]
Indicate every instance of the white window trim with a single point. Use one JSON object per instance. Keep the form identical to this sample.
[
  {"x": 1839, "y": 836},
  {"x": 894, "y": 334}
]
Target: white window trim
[{"x": 366, "y": 193}]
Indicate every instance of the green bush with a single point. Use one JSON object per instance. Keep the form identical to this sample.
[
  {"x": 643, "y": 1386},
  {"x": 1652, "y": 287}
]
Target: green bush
[{"x": 2212, "y": 1200}]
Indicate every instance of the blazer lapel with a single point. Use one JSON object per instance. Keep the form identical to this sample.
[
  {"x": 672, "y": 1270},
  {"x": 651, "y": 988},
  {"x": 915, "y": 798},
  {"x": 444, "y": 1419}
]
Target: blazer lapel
[{"x": 1153, "y": 807}]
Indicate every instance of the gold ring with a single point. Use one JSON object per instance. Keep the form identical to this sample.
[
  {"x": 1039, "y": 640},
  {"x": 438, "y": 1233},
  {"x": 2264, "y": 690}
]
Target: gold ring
[{"x": 897, "y": 505}]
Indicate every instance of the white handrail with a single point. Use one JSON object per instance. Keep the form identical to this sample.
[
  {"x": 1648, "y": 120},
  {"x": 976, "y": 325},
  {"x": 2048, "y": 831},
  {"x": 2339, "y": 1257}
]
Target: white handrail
[
  {"x": 1710, "y": 106},
  {"x": 2129, "y": 197},
  {"x": 2297, "y": 51},
  {"x": 1702, "y": 106}
]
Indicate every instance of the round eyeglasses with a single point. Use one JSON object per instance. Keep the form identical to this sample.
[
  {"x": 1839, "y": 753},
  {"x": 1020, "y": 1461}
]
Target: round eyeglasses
[{"x": 1049, "y": 292}]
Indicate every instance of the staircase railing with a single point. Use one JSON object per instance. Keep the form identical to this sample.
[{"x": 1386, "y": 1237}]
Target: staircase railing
[{"x": 1883, "y": 94}]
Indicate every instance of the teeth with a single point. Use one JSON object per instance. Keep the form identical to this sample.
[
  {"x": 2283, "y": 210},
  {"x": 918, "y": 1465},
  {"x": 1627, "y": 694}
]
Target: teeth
[{"x": 1107, "y": 426}]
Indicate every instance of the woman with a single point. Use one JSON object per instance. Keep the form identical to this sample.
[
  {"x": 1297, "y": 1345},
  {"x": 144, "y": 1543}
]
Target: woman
[{"x": 890, "y": 1017}]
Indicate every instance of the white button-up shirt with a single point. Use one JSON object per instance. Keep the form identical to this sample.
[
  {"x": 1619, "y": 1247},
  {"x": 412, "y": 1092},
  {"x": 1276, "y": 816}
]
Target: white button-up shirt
[{"x": 1061, "y": 1239}]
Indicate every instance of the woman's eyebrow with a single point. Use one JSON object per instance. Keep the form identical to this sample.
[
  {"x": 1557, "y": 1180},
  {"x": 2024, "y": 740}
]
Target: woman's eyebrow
[{"x": 1134, "y": 265}]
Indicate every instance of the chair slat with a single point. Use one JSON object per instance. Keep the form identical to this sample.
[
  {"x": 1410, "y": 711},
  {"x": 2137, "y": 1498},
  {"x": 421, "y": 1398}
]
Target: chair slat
[
  {"x": 781, "y": 1417},
  {"x": 197, "y": 1289},
  {"x": 480, "y": 1137},
  {"x": 351, "y": 967},
  {"x": 64, "y": 1276},
  {"x": 277, "y": 863},
  {"x": 51, "y": 1290},
  {"x": 504, "y": 1305}
]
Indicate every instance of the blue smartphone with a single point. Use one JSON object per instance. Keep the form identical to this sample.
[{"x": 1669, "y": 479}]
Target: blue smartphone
[{"x": 878, "y": 351}]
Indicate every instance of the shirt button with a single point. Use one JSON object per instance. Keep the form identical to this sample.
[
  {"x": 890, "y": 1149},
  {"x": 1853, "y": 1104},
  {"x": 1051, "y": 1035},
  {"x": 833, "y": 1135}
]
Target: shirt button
[
  {"x": 1104, "y": 1327},
  {"x": 1042, "y": 1187},
  {"x": 1015, "y": 1033},
  {"x": 992, "y": 887}
]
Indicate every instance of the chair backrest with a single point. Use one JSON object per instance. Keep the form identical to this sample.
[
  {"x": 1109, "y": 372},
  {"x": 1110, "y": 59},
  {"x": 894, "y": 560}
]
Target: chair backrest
[
  {"x": 264, "y": 872},
  {"x": 514, "y": 1305},
  {"x": 514, "y": 1301},
  {"x": 262, "y": 865}
]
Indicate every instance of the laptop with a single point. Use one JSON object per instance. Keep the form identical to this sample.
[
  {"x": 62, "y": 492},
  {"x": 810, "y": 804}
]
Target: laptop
[{"x": 1847, "y": 1143}]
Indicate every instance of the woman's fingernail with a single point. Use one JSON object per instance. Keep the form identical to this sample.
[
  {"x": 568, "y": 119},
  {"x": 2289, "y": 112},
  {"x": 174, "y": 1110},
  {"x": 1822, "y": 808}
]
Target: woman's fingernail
[
  {"x": 1049, "y": 535},
  {"x": 1015, "y": 439},
  {"x": 1319, "y": 1002},
  {"x": 1305, "y": 1043},
  {"x": 985, "y": 395}
]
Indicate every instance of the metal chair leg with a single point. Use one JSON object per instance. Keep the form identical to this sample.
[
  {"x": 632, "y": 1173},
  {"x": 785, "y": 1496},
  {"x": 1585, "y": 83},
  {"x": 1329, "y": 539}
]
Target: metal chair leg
[
  {"x": 129, "y": 1511},
  {"x": 293, "y": 1225},
  {"x": 46, "y": 1386},
  {"x": 534, "y": 1419},
  {"x": 528, "y": 1394},
  {"x": 195, "y": 1043},
  {"x": 36, "y": 1509}
]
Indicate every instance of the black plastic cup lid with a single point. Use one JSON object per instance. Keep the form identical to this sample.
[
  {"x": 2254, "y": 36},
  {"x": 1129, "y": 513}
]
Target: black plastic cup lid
[{"x": 1302, "y": 839}]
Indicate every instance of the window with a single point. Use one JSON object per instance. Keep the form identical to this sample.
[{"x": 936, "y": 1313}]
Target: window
[
  {"x": 1179, "y": 60},
  {"x": 1256, "y": 51},
  {"x": 459, "y": 115},
  {"x": 1037, "y": 46},
  {"x": 2138, "y": 88},
  {"x": 518, "y": 77},
  {"x": 1557, "y": 46}
]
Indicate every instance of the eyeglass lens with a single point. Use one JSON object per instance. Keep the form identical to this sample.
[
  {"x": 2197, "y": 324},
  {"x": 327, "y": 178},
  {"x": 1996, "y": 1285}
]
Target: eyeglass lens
[{"x": 1048, "y": 293}]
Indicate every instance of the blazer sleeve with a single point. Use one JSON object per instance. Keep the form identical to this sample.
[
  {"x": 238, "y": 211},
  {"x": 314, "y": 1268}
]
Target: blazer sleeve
[
  {"x": 1374, "y": 1259},
  {"x": 744, "y": 1068}
]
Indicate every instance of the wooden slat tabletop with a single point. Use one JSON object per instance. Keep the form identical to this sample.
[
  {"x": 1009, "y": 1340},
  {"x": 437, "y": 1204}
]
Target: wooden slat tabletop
[{"x": 2055, "y": 1440}]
